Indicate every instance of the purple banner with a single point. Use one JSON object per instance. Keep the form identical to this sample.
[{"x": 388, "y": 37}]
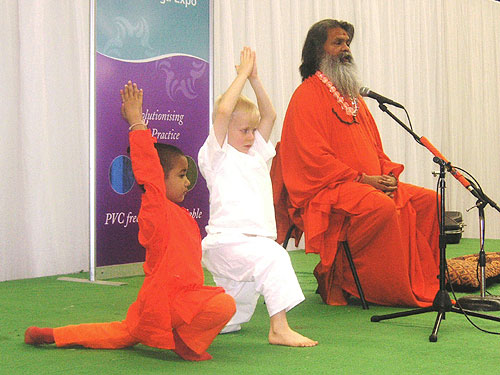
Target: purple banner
[{"x": 176, "y": 104}]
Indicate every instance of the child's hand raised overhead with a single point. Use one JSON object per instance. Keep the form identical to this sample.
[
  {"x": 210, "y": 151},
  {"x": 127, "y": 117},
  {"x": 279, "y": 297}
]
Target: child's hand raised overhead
[
  {"x": 132, "y": 104},
  {"x": 247, "y": 62},
  {"x": 254, "y": 73}
]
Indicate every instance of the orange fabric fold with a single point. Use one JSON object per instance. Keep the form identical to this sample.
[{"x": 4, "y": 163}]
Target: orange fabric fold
[
  {"x": 285, "y": 214},
  {"x": 197, "y": 335}
]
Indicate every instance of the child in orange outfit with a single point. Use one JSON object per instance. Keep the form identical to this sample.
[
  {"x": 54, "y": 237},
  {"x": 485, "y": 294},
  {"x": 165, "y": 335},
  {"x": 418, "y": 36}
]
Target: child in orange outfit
[{"x": 173, "y": 310}]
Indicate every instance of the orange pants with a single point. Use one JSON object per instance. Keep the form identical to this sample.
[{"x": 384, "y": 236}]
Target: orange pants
[{"x": 198, "y": 335}]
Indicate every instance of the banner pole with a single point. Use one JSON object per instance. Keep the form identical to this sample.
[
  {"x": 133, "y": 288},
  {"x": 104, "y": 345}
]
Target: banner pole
[
  {"x": 211, "y": 60},
  {"x": 92, "y": 146}
]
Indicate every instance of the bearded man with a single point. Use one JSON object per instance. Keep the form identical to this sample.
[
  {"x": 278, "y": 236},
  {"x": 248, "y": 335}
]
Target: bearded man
[{"x": 342, "y": 186}]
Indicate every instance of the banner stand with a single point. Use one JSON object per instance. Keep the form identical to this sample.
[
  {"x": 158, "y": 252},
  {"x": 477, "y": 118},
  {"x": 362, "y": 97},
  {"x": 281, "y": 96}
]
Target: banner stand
[
  {"x": 102, "y": 274},
  {"x": 119, "y": 270},
  {"x": 106, "y": 272},
  {"x": 92, "y": 143},
  {"x": 177, "y": 73},
  {"x": 99, "y": 282}
]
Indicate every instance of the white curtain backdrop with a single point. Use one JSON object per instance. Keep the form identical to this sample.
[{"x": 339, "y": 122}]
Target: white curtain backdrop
[
  {"x": 439, "y": 58},
  {"x": 44, "y": 197}
]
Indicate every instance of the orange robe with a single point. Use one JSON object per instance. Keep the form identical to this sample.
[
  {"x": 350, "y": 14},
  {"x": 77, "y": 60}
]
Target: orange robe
[
  {"x": 394, "y": 242},
  {"x": 172, "y": 302}
]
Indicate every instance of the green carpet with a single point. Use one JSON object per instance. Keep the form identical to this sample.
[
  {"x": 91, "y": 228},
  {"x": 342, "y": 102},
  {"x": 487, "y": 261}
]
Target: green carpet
[{"x": 348, "y": 342}]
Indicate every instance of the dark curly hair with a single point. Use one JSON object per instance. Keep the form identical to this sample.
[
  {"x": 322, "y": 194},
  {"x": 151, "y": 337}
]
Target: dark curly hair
[
  {"x": 317, "y": 35},
  {"x": 168, "y": 155}
]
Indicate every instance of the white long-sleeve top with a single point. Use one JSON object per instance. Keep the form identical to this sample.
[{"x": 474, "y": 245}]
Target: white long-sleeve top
[{"x": 241, "y": 197}]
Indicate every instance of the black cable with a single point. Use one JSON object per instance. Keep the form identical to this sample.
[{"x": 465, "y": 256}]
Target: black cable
[
  {"x": 479, "y": 188},
  {"x": 474, "y": 182},
  {"x": 462, "y": 310},
  {"x": 446, "y": 265},
  {"x": 408, "y": 117}
]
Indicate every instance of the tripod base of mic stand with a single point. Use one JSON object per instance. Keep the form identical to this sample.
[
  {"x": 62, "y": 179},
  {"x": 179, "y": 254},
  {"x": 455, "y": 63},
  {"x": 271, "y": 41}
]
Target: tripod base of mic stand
[
  {"x": 478, "y": 303},
  {"x": 442, "y": 304}
]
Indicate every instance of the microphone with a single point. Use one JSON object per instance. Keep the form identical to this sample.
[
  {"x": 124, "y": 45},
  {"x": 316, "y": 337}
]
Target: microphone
[{"x": 365, "y": 91}]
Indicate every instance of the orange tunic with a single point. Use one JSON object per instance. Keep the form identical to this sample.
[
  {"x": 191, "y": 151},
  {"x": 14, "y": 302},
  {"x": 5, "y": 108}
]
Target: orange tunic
[
  {"x": 174, "y": 275},
  {"x": 173, "y": 310},
  {"x": 394, "y": 242}
]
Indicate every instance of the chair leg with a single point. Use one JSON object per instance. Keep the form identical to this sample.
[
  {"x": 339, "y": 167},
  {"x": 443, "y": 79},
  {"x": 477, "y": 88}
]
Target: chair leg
[
  {"x": 288, "y": 234},
  {"x": 355, "y": 274}
]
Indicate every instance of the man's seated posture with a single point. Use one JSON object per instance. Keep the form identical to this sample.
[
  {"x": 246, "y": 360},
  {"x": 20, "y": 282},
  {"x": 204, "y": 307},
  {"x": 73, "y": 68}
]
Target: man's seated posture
[{"x": 341, "y": 185}]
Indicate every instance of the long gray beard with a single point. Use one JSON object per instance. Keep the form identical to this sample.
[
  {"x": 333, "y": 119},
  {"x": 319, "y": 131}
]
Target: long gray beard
[{"x": 343, "y": 73}]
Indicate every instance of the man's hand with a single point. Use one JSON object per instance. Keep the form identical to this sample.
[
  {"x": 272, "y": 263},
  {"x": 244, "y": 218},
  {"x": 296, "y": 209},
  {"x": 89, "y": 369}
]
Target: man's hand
[{"x": 387, "y": 184}]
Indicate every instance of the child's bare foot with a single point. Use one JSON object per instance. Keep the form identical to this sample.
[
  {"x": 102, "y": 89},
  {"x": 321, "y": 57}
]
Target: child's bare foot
[
  {"x": 280, "y": 333},
  {"x": 39, "y": 336},
  {"x": 230, "y": 328},
  {"x": 290, "y": 338}
]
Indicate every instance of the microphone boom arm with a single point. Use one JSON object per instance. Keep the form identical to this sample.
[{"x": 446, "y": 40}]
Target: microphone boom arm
[{"x": 427, "y": 144}]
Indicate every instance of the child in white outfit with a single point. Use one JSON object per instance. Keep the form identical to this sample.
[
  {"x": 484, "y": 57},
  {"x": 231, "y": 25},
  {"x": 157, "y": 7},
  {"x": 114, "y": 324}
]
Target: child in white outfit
[{"x": 240, "y": 249}]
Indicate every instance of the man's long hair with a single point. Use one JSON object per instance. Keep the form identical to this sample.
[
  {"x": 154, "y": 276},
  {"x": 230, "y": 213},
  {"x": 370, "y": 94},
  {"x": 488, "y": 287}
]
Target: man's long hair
[{"x": 313, "y": 49}]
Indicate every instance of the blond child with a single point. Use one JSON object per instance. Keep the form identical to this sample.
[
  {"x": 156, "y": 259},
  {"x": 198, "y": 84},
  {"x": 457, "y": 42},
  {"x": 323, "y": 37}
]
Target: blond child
[{"x": 240, "y": 249}]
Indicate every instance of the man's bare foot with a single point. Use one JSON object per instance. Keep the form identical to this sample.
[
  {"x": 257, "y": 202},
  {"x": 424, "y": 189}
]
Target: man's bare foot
[{"x": 290, "y": 338}]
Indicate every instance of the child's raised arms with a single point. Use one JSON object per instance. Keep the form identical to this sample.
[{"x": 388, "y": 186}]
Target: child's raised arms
[
  {"x": 266, "y": 109},
  {"x": 230, "y": 97}
]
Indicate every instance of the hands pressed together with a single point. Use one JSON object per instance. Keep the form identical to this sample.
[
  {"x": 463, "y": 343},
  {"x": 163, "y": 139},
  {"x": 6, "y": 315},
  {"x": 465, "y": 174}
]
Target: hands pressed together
[
  {"x": 248, "y": 63},
  {"x": 386, "y": 183}
]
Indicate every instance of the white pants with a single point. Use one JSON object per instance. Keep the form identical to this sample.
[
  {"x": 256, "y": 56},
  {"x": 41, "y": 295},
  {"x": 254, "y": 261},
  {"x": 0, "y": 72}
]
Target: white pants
[{"x": 246, "y": 267}]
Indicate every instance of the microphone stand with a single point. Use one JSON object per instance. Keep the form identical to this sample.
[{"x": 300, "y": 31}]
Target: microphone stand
[
  {"x": 442, "y": 301},
  {"x": 481, "y": 302}
]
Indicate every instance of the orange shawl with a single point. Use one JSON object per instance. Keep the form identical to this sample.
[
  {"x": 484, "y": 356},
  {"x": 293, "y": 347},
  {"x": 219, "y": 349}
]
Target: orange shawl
[{"x": 321, "y": 155}]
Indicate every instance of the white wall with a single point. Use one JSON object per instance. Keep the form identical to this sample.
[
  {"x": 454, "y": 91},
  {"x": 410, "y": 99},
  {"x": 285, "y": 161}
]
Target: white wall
[{"x": 440, "y": 58}]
